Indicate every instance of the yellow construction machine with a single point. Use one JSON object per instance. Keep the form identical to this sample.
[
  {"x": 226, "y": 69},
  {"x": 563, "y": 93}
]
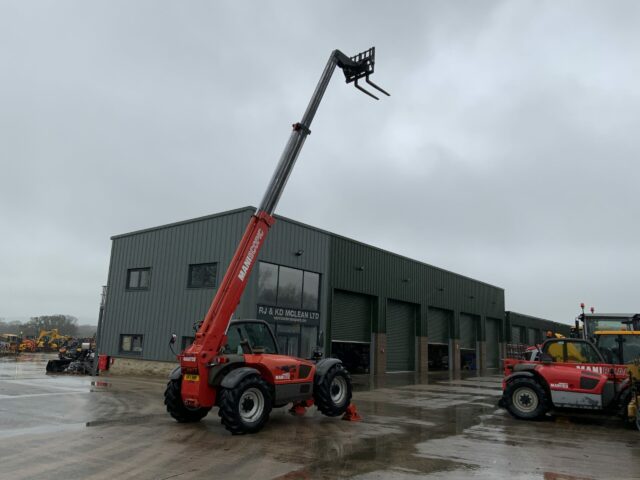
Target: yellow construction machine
[
  {"x": 622, "y": 347},
  {"x": 49, "y": 340}
]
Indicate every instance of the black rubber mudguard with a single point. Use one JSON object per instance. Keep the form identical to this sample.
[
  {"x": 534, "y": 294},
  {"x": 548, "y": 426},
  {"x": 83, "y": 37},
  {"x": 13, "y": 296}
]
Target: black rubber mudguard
[
  {"x": 234, "y": 377},
  {"x": 323, "y": 366}
]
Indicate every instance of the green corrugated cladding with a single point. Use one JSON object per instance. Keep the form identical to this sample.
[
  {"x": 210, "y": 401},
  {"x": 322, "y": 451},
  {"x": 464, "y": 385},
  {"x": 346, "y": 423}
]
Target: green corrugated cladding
[
  {"x": 365, "y": 269},
  {"x": 540, "y": 325}
]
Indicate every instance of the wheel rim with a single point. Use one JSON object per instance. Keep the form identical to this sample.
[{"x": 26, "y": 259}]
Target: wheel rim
[
  {"x": 525, "y": 399},
  {"x": 338, "y": 390},
  {"x": 251, "y": 405}
]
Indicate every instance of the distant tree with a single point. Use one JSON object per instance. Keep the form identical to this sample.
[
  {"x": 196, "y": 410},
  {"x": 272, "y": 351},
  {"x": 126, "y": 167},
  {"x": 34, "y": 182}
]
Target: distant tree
[
  {"x": 13, "y": 326},
  {"x": 86, "y": 331},
  {"x": 65, "y": 324}
]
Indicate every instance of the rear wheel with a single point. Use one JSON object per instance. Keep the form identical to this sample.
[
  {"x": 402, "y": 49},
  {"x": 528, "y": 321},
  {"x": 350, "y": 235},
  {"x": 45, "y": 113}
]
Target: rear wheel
[
  {"x": 332, "y": 393},
  {"x": 246, "y": 407},
  {"x": 176, "y": 407},
  {"x": 524, "y": 398}
]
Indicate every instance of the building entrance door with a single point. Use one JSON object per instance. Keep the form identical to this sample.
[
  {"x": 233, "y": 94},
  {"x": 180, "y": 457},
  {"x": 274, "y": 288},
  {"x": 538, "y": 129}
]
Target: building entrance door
[{"x": 288, "y": 337}]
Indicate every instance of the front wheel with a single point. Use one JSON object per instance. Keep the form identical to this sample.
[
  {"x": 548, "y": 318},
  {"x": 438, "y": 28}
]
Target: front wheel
[
  {"x": 332, "y": 392},
  {"x": 525, "y": 399},
  {"x": 176, "y": 407},
  {"x": 245, "y": 408}
]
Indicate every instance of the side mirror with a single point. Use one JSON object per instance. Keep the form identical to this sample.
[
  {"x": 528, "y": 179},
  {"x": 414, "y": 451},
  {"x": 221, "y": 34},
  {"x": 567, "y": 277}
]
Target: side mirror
[{"x": 318, "y": 352}]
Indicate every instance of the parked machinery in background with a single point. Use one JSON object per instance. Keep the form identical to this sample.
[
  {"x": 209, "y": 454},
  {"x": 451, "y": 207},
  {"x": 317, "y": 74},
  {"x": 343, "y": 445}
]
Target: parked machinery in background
[
  {"x": 9, "y": 344},
  {"x": 75, "y": 356}
]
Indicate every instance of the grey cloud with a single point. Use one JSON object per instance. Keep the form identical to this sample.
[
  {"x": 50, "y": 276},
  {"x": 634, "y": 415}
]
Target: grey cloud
[{"x": 507, "y": 152}]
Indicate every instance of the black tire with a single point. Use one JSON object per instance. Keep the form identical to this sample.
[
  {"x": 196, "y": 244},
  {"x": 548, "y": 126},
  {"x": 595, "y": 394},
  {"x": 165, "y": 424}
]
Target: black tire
[
  {"x": 177, "y": 409},
  {"x": 246, "y": 407},
  {"x": 525, "y": 399},
  {"x": 332, "y": 392}
]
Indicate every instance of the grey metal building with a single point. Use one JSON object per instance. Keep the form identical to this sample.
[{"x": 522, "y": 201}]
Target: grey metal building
[
  {"x": 525, "y": 329},
  {"x": 378, "y": 311}
]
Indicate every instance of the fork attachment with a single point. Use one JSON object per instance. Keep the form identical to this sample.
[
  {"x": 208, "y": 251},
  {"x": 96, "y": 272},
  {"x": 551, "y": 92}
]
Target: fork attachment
[{"x": 359, "y": 66}]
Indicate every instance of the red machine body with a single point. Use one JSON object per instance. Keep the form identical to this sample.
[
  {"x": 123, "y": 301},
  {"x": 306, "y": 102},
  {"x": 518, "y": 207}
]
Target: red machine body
[
  {"x": 196, "y": 359},
  {"x": 247, "y": 376}
]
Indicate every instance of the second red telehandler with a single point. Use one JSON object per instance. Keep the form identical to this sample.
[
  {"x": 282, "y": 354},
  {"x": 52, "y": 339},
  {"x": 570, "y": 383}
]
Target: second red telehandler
[{"x": 568, "y": 374}]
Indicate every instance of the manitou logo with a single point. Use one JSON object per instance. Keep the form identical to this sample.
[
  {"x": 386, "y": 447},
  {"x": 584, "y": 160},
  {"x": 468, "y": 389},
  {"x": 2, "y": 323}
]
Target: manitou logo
[
  {"x": 250, "y": 256},
  {"x": 603, "y": 370}
]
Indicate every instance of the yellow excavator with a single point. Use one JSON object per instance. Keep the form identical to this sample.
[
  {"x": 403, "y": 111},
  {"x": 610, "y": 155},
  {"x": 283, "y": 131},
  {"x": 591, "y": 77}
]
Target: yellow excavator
[{"x": 47, "y": 340}]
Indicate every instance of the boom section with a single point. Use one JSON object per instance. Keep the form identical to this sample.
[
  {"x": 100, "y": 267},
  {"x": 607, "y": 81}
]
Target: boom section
[{"x": 211, "y": 335}]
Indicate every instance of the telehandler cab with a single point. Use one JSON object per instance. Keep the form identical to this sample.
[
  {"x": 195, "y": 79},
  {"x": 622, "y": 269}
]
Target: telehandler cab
[{"x": 236, "y": 365}]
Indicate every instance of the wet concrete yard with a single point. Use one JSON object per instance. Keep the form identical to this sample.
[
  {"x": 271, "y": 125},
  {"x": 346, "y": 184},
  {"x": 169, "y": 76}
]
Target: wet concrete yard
[{"x": 434, "y": 427}]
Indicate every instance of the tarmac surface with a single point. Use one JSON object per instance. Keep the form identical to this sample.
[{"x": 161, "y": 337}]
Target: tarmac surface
[{"x": 438, "y": 427}]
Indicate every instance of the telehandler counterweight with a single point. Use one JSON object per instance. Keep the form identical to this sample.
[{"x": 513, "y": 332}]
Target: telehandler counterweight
[{"x": 235, "y": 365}]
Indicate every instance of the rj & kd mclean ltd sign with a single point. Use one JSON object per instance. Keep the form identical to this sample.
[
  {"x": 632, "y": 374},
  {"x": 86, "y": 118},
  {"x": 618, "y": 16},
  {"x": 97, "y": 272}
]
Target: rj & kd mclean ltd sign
[{"x": 283, "y": 314}]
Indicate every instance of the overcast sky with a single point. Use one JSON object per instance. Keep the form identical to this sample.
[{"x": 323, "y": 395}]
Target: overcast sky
[{"x": 508, "y": 151}]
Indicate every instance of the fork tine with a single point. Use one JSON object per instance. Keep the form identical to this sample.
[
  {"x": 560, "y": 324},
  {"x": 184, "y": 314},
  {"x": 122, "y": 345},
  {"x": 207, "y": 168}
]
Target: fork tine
[
  {"x": 377, "y": 87},
  {"x": 355, "y": 84}
]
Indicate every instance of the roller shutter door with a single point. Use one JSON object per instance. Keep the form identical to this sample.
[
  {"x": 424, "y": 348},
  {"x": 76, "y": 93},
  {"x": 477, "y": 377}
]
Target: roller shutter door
[
  {"x": 401, "y": 336},
  {"x": 351, "y": 319},
  {"x": 532, "y": 336},
  {"x": 468, "y": 331},
  {"x": 515, "y": 335},
  {"x": 493, "y": 343},
  {"x": 438, "y": 322}
]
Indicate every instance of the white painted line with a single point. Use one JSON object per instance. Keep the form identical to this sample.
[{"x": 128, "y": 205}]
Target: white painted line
[{"x": 30, "y": 395}]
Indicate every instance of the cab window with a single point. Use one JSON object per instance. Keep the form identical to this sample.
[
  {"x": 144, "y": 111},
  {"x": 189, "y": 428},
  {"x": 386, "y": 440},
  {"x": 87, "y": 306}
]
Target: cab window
[
  {"x": 572, "y": 352},
  {"x": 580, "y": 352},
  {"x": 257, "y": 334},
  {"x": 609, "y": 346},
  {"x": 556, "y": 351}
]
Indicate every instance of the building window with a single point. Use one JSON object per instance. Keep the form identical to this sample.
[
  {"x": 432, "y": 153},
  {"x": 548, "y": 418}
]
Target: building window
[
  {"x": 131, "y": 344},
  {"x": 186, "y": 342},
  {"x": 202, "y": 275},
  {"x": 267, "y": 283},
  {"x": 310, "y": 291},
  {"x": 138, "y": 278},
  {"x": 288, "y": 287}
]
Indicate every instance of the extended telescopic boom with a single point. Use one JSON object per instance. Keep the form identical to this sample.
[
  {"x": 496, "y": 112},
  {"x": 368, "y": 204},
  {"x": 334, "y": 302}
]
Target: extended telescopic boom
[{"x": 211, "y": 335}]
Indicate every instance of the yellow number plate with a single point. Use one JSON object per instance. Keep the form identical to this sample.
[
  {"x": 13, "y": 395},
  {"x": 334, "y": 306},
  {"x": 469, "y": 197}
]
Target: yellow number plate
[{"x": 192, "y": 378}]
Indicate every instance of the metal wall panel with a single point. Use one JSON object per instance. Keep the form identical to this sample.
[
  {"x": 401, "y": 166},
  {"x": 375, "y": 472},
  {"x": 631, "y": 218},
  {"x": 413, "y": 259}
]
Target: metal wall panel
[
  {"x": 439, "y": 322},
  {"x": 532, "y": 336},
  {"x": 401, "y": 338},
  {"x": 493, "y": 342},
  {"x": 516, "y": 335},
  {"x": 469, "y": 325},
  {"x": 351, "y": 319}
]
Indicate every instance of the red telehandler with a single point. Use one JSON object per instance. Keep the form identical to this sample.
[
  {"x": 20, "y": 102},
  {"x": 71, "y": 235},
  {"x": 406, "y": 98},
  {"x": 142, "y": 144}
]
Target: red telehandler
[{"x": 235, "y": 365}]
